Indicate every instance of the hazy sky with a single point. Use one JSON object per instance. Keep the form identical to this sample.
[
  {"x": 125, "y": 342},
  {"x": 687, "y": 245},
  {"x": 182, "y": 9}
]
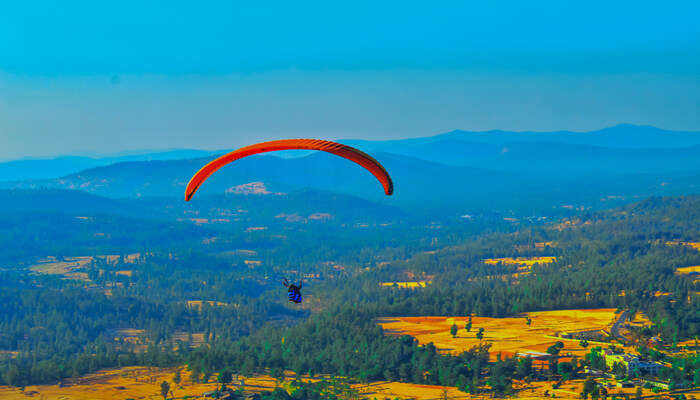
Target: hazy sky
[{"x": 85, "y": 77}]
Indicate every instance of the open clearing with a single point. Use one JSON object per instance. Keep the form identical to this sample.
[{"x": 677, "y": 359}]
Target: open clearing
[
  {"x": 523, "y": 261},
  {"x": 695, "y": 245},
  {"x": 73, "y": 267},
  {"x": 68, "y": 267},
  {"x": 695, "y": 269},
  {"x": 144, "y": 383},
  {"x": 407, "y": 285},
  {"x": 506, "y": 335},
  {"x": 198, "y": 304}
]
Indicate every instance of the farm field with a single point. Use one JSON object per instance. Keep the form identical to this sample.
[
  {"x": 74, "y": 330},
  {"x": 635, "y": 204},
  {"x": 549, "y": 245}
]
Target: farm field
[
  {"x": 695, "y": 245},
  {"x": 524, "y": 264},
  {"x": 523, "y": 261},
  {"x": 200, "y": 303},
  {"x": 144, "y": 383},
  {"x": 506, "y": 335},
  {"x": 407, "y": 285},
  {"x": 70, "y": 267},
  {"x": 688, "y": 270}
]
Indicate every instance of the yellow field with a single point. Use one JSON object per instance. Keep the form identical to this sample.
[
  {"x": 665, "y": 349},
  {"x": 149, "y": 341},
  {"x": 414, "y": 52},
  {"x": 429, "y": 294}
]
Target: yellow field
[
  {"x": 8, "y": 354},
  {"x": 67, "y": 268},
  {"x": 688, "y": 270},
  {"x": 128, "y": 258},
  {"x": 384, "y": 389},
  {"x": 640, "y": 320},
  {"x": 524, "y": 261},
  {"x": 70, "y": 267},
  {"x": 695, "y": 245},
  {"x": 199, "y": 303},
  {"x": 506, "y": 335},
  {"x": 409, "y": 285},
  {"x": 569, "y": 390},
  {"x": 144, "y": 383}
]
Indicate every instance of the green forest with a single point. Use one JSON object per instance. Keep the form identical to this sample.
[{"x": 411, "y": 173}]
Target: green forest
[{"x": 53, "y": 328}]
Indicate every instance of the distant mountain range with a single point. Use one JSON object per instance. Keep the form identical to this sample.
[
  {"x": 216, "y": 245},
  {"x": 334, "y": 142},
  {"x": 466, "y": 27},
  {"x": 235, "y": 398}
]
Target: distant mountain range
[
  {"x": 624, "y": 136},
  {"x": 456, "y": 171},
  {"x": 30, "y": 168},
  {"x": 457, "y": 147}
]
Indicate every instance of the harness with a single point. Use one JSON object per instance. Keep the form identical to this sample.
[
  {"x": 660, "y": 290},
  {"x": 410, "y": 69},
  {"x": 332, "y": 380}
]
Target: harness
[{"x": 294, "y": 295}]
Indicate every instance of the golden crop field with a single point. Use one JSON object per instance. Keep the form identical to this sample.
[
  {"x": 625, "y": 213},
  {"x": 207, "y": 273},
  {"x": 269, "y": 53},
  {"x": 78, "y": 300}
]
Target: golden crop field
[
  {"x": 524, "y": 261},
  {"x": 408, "y": 285},
  {"x": 8, "y": 354},
  {"x": 200, "y": 303},
  {"x": 69, "y": 267},
  {"x": 695, "y": 245},
  {"x": 506, "y": 335},
  {"x": 125, "y": 383},
  {"x": 144, "y": 383},
  {"x": 569, "y": 390},
  {"x": 128, "y": 258},
  {"x": 688, "y": 270}
]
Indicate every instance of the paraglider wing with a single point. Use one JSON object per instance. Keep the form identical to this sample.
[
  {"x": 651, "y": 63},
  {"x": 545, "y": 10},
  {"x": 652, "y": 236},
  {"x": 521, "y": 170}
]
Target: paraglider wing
[{"x": 338, "y": 149}]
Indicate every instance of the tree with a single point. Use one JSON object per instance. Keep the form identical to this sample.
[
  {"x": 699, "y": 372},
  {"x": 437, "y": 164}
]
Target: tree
[
  {"x": 224, "y": 377},
  {"x": 565, "y": 370},
  {"x": 194, "y": 376},
  {"x": 444, "y": 395},
  {"x": 453, "y": 330},
  {"x": 480, "y": 334},
  {"x": 619, "y": 369},
  {"x": 164, "y": 389},
  {"x": 603, "y": 392},
  {"x": 583, "y": 343},
  {"x": 468, "y": 326},
  {"x": 589, "y": 387},
  {"x": 638, "y": 393},
  {"x": 528, "y": 321},
  {"x": 553, "y": 365},
  {"x": 555, "y": 348},
  {"x": 177, "y": 378},
  {"x": 524, "y": 367},
  {"x": 278, "y": 374}
]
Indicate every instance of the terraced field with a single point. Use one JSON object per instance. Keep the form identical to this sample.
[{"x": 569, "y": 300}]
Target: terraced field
[
  {"x": 506, "y": 335},
  {"x": 144, "y": 383}
]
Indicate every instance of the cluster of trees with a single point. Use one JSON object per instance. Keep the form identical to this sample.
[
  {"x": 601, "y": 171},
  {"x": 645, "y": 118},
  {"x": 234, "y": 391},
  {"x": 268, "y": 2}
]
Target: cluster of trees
[
  {"x": 348, "y": 342},
  {"x": 58, "y": 328}
]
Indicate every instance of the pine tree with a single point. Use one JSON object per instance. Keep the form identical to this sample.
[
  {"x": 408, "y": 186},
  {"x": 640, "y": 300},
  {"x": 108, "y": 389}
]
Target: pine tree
[{"x": 164, "y": 389}]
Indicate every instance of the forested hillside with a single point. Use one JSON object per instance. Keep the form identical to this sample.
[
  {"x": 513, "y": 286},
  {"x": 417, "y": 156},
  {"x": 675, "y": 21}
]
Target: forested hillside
[{"x": 67, "y": 316}]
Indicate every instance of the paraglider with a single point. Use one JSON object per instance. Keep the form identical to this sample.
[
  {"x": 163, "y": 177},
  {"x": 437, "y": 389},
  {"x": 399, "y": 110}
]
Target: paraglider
[
  {"x": 293, "y": 291},
  {"x": 341, "y": 150}
]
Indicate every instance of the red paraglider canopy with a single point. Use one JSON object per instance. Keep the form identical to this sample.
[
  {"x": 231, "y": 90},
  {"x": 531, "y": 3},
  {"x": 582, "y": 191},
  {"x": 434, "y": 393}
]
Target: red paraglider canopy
[{"x": 338, "y": 149}]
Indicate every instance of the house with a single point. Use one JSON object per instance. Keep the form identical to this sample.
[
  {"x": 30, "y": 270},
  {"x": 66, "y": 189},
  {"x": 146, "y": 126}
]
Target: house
[
  {"x": 632, "y": 363},
  {"x": 658, "y": 384}
]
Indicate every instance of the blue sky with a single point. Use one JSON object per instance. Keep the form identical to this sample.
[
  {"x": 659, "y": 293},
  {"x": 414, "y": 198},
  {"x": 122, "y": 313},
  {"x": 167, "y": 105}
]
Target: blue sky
[{"x": 81, "y": 77}]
